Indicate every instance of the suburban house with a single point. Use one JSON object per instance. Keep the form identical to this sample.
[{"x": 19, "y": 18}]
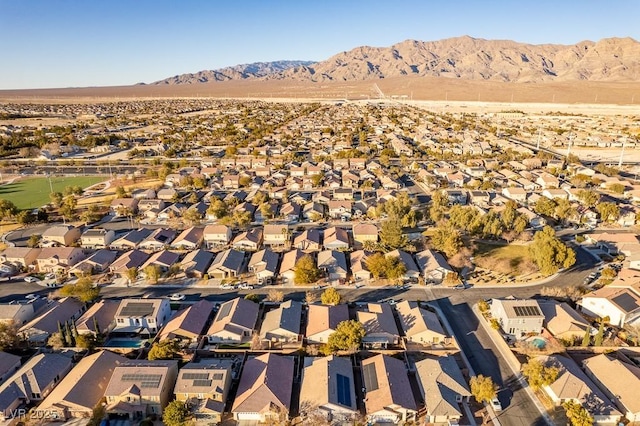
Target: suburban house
[
  {"x": 82, "y": 388},
  {"x": 323, "y": 321},
  {"x": 619, "y": 302},
  {"x": 336, "y": 239},
  {"x": 188, "y": 323},
  {"x": 308, "y": 241},
  {"x": 227, "y": 264},
  {"x": 142, "y": 316},
  {"x": 365, "y": 232},
  {"x": 264, "y": 265},
  {"x": 618, "y": 380},
  {"x": 163, "y": 260},
  {"x": 97, "y": 238},
  {"x": 333, "y": 264},
  {"x": 96, "y": 263},
  {"x": 288, "y": 264},
  {"x": 328, "y": 390},
  {"x": 205, "y": 385},
  {"x": 563, "y": 321},
  {"x": 359, "y": 269},
  {"x": 60, "y": 235},
  {"x": 39, "y": 329},
  {"x": 388, "y": 394},
  {"x": 572, "y": 384},
  {"x": 131, "y": 239},
  {"x": 21, "y": 257},
  {"x": 264, "y": 391},
  {"x": 433, "y": 266},
  {"x": 158, "y": 240},
  {"x": 9, "y": 364},
  {"x": 234, "y": 322},
  {"x": 140, "y": 388},
  {"x": 283, "y": 323},
  {"x": 250, "y": 240},
  {"x": 517, "y": 317},
  {"x": 128, "y": 260},
  {"x": 216, "y": 235},
  {"x": 411, "y": 273},
  {"x": 443, "y": 389},
  {"x": 33, "y": 382},
  {"x": 340, "y": 209},
  {"x": 379, "y": 325},
  {"x": 195, "y": 264},
  {"x": 189, "y": 239},
  {"x": 21, "y": 311},
  {"x": 420, "y": 325},
  {"x": 276, "y": 235},
  {"x": 99, "y": 318},
  {"x": 122, "y": 207},
  {"x": 54, "y": 259}
]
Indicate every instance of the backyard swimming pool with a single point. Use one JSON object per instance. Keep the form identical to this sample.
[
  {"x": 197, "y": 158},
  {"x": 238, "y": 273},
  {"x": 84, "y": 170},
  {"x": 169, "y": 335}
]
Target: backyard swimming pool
[{"x": 124, "y": 343}]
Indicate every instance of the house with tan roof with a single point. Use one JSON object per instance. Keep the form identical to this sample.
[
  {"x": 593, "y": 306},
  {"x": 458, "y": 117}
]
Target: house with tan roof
[
  {"x": 359, "y": 269},
  {"x": 618, "y": 380},
  {"x": 96, "y": 263},
  {"x": 328, "y": 390},
  {"x": 124, "y": 206},
  {"x": 276, "y": 235},
  {"x": 411, "y": 269},
  {"x": 38, "y": 330},
  {"x": 562, "y": 321},
  {"x": 264, "y": 391},
  {"x": 142, "y": 316},
  {"x": 195, "y": 264},
  {"x": 99, "y": 318},
  {"x": 283, "y": 323},
  {"x": 620, "y": 302},
  {"x": 60, "y": 235},
  {"x": 323, "y": 320},
  {"x": 82, "y": 388},
  {"x": 333, "y": 264},
  {"x": 336, "y": 239},
  {"x": 163, "y": 260},
  {"x": 264, "y": 265},
  {"x": 216, "y": 235},
  {"x": 227, "y": 264},
  {"x": 21, "y": 257},
  {"x": 365, "y": 232},
  {"x": 433, "y": 266},
  {"x": 420, "y": 325},
  {"x": 288, "y": 264},
  {"x": 572, "y": 384},
  {"x": 128, "y": 260},
  {"x": 140, "y": 388},
  {"x": 97, "y": 238},
  {"x": 388, "y": 396},
  {"x": 234, "y": 322},
  {"x": 21, "y": 311},
  {"x": 188, "y": 324},
  {"x": 189, "y": 239},
  {"x": 308, "y": 241},
  {"x": 517, "y": 317},
  {"x": 250, "y": 240},
  {"x": 158, "y": 240},
  {"x": 379, "y": 325},
  {"x": 54, "y": 259},
  {"x": 205, "y": 385},
  {"x": 443, "y": 389}
]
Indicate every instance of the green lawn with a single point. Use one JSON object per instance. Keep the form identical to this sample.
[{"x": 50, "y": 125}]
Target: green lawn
[
  {"x": 34, "y": 192},
  {"x": 512, "y": 259}
]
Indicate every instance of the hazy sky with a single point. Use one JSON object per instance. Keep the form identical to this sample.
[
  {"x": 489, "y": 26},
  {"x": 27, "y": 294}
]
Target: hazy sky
[{"x": 65, "y": 43}]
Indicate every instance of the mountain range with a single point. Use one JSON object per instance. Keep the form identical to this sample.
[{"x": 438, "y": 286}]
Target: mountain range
[{"x": 467, "y": 58}]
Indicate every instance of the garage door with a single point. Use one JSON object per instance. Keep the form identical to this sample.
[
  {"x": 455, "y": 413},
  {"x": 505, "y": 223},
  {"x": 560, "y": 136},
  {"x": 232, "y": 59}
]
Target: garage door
[{"x": 248, "y": 416}]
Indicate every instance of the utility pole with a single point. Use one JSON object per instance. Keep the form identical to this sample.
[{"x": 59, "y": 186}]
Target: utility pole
[
  {"x": 621, "y": 155},
  {"x": 571, "y": 136},
  {"x": 538, "y": 143}
]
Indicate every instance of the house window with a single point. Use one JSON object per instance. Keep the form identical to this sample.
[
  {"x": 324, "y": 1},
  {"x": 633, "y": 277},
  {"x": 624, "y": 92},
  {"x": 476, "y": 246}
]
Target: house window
[{"x": 35, "y": 395}]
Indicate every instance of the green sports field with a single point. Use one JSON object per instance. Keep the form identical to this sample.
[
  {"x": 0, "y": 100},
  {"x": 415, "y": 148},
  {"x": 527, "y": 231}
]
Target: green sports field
[{"x": 31, "y": 193}]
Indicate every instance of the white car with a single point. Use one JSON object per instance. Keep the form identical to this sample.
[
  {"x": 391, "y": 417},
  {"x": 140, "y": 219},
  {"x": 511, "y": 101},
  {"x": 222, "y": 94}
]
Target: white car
[
  {"x": 50, "y": 276},
  {"x": 495, "y": 404},
  {"x": 245, "y": 286},
  {"x": 227, "y": 287},
  {"x": 177, "y": 297},
  {"x": 31, "y": 296},
  {"x": 31, "y": 279}
]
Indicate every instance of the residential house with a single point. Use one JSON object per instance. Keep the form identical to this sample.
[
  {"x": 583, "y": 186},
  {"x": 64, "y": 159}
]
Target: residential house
[
  {"x": 379, "y": 325},
  {"x": 288, "y": 264},
  {"x": 131, "y": 240},
  {"x": 205, "y": 385},
  {"x": 61, "y": 311},
  {"x": 283, "y": 323},
  {"x": 122, "y": 207},
  {"x": 290, "y": 212},
  {"x": 142, "y": 316},
  {"x": 53, "y": 259},
  {"x": 128, "y": 260},
  {"x": 328, "y": 390},
  {"x": 9, "y": 364},
  {"x": 163, "y": 260},
  {"x": 188, "y": 324},
  {"x": 323, "y": 320},
  {"x": 217, "y": 236},
  {"x": 336, "y": 239},
  {"x": 97, "y": 238},
  {"x": 443, "y": 389},
  {"x": 535, "y": 220},
  {"x": 563, "y": 321},
  {"x": 148, "y": 204},
  {"x": 555, "y": 194},
  {"x": 359, "y": 269},
  {"x": 518, "y": 317},
  {"x": 21, "y": 257},
  {"x": 365, "y": 232},
  {"x": 276, "y": 235},
  {"x": 412, "y": 273},
  {"x": 159, "y": 239},
  {"x": 433, "y": 266},
  {"x": 572, "y": 384},
  {"x": 308, "y": 241},
  {"x": 32, "y": 382},
  {"x": 189, "y": 239},
  {"x": 166, "y": 194},
  {"x": 196, "y": 263},
  {"x": 313, "y": 211},
  {"x": 82, "y": 389},
  {"x": 60, "y": 235},
  {"x": 333, "y": 264},
  {"x": 618, "y": 380},
  {"x": 420, "y": 325},
  {"x": 340, "y": 209},
  {"x": 19, "y": 312},
  {"x": 140, "y": 388},
  {"x": 547, "y": 180},
  {"x": 250, "y": 240},
  {"x": 515, "y": 194},
  {"x": 264, "y": 265},
  {"x": 227, "y": 264},
  {"x": 388, "y": 395},
  {"x": 620, "y": 302},
  {"x": 96, "y": 263},
  {"x": 264, "y": 391},
  {"x": 234, "y": 322},
  {"x": 99, "y": 318}
]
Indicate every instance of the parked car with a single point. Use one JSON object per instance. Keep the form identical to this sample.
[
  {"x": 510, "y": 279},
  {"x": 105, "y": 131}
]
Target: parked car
[
  {"x": 495, "y": 404},
  {"x": 31, "y": 279},
  {"x": 50, "y": 276},
  {"x": 176, "y": 297},
  {"x": 31, "y": 296},
  {"x": 227, "y": 287},
  {"x": 245, "y": 286}
]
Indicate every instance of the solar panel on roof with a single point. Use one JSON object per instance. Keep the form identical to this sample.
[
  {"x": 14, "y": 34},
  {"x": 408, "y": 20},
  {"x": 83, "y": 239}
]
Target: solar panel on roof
[
  {"x": 344, "y": 390},
  {"x": 526, "y": 311},
  {"x": 370, "y": 377},
  {"x": 217, "y": 376},
  {"x": 195, "y": 376},
  {"x": 626, "y": 302},
  {"x": 224, "y": 311},
  {"x": 151, "y": 381},
  {"x": 203, "y": 383},
  {"x": 137, "y": 309}
]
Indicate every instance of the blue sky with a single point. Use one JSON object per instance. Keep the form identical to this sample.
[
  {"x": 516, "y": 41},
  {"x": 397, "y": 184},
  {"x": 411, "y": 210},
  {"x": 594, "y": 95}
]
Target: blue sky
[{"x": 65, "y": 43}]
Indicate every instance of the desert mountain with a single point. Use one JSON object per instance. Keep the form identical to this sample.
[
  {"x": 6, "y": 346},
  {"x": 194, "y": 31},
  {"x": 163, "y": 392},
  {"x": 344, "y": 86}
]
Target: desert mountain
[
  {"x": 237, "y": 72},
  {"x": 611, "y": 59}
]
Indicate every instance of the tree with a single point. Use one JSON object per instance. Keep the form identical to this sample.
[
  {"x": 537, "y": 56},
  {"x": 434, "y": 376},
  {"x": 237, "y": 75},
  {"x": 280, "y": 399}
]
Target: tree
[
  {"x": 34, "y": 240},
  {"x": 166, "y": 349},
  {"x": 120, "y": 192},
  {"x": 395, "y": 269},
  {"x": 482, "y": 388},
  {"x": 347, "y": 337},
  {"x": 330, "y": 296},
  {"x": 175, "y": 413},
  {"x": 586, "y": 339},
  {"x": 589, "y": 197},
  {"x": 306, "y": 271},
  {"x": 56, "y": 198},
  {"x": 618, "y": 188},
  {"x": 377, "y": 265},
  {"x": 25, "y": 217},
  {"x": 598, "y": 339},
  {"x": 447, "y": 239},
  {"x": 217, "y": 208},
  {"x": 549, "y": 253},
  {"x": 132, "y": 274},
  {"x": 152, "y": 272},
  {"x": 84, "y": 290},
  {"x": 391, "y": 235},
  {"x": 253, "y": 297},
  {"x": 8, "y": 335},
  {"x": 86, "y": 341},
  {"x": 275, "y": 295},
  {"x": 7, "y": 209},
  {"x": 538, "y": 374},
  {"x": 609, "y": 212},
  {"x": 577, "y": 414},
  {"x": 310, "y": 297},
  {"x": 56, "y": 340},
  {"x": 545, "y": 206}
]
